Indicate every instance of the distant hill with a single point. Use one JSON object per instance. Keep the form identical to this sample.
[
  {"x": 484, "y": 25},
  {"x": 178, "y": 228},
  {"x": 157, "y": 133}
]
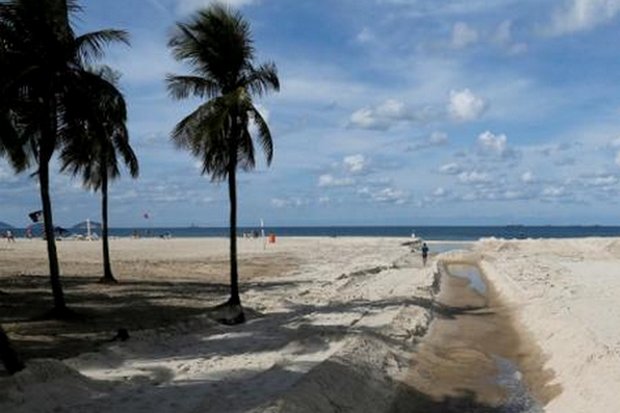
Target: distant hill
[{"x": 4, "y": 225}]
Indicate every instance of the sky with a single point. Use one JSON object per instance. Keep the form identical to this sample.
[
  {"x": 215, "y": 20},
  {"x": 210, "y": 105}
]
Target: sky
[{"x": 391, "y": 112}]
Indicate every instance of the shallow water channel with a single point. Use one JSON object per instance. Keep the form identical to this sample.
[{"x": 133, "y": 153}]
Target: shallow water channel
[{"x": 474, "y": 358}]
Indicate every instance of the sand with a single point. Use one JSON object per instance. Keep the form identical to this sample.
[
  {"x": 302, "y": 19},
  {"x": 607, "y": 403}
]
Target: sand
[
  {"x": 333, "y": 324},
  {"x": 566, "y": 294},
  {"x": 317, "y": 306}
]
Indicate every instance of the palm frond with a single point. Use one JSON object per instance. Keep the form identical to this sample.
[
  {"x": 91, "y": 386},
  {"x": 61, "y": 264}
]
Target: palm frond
[
  {"x": 262, "y": 79},
  {"x": 91, "y": 46},
  {"x": 182, "y": 87},
  {"x": 264, "y": 134}
]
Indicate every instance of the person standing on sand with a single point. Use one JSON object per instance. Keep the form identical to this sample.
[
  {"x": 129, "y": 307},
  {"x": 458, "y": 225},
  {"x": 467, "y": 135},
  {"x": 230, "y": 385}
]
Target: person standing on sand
[
  {"x": 424, "y": 253},
  {"x": 9, "y": 236}
]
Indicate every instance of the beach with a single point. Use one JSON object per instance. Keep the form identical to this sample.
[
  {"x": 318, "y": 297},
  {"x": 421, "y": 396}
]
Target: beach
[{"x": 334, "y": 324}]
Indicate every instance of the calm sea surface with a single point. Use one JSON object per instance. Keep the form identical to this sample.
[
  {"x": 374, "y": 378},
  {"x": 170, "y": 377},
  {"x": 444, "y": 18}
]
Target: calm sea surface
[{"x": 452, "y": 233}]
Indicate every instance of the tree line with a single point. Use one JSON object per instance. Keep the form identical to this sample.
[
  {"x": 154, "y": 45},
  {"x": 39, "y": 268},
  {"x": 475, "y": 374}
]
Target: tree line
[{"x": 57, "y": 99}]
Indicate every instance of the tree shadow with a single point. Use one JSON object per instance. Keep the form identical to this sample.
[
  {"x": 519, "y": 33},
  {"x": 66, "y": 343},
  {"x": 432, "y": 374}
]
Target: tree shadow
[{"x": 102, "y": 310}]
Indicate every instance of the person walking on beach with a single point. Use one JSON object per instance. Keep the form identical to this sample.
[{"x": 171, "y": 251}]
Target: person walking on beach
[
  {"x": 424, "y": 253},
  {"x": 9, "y": 236}
]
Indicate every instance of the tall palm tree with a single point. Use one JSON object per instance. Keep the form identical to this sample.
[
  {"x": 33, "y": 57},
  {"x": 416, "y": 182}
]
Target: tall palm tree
[
  {"x": 216, "y": 43},
  {"x": 43, "y": 67},
  {"x": 95, "y": 154}
]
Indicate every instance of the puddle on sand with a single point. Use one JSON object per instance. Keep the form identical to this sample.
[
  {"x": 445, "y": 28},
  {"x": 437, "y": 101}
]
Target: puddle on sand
[
  {"x": 473, "y": 358},
  {"x": 470, "y": 273}
]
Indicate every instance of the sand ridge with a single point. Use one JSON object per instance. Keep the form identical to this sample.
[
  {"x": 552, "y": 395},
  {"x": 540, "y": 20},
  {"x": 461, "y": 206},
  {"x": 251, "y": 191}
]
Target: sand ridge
[{"x": 565, "y": 293}]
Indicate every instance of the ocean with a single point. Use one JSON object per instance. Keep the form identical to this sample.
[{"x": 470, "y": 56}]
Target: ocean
[{"x": 449, "y": 233}]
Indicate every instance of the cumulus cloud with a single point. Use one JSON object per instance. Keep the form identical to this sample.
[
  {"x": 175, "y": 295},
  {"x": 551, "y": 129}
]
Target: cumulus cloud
[
  {"x": 464, "y": 105},
  {"x": 581, "y": 15},
  {"x": 355, "y": 164},
  {"x": 463, "y": 35},
  {"x": 328, "y": 180},
  {"x": 494, "y": 145},
  {"x": 387, "y": 115},
  {"x": 187, "y": 6}
]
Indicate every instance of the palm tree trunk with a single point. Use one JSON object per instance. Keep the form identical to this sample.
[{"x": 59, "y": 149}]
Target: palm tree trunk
[
  {"x": 234, "y": 275},
  {"x": 108, "y": 277},
  {"x": 60, "y": 306},
  {"x": 10, "y": 359}
]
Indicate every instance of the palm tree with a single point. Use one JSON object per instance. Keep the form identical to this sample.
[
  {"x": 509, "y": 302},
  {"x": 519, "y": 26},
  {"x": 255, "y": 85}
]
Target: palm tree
[
  {"x": 217, "y": 44},
  {"x": 95, "y": 154},
  {"x": 43, "y": 66}
]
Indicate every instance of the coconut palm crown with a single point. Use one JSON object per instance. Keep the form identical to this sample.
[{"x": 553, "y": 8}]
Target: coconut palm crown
[
  {"x": 216, "y": 44},
  {"x": 94, "y": 155}
]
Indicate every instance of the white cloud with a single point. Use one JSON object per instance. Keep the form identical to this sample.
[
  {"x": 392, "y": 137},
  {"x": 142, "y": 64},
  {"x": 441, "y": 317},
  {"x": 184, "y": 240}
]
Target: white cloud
[
  {"x": 604, "y": 180},
  {"x": 581, "y": 15},
  {"x": 465, "y": 105},
  {"x": 433, "y": 140},
  {"x": 388, "y": 114},
  {"x": 474, "y": 177},
  {"x": 450, "y": 169},
  {"x": 288, "y": 202},
  {"x": 187, "y": 6},
  {"x": 389, "y": 195},
  {"x": 496, "y": 145},
  {"x": 366, "y": 118},
  {"x": 618, "y": 158},
  {"x": 328, "y": 180},
  {"x": 463, "y": 35},
  {"x": 439, "y": 192},
  {"x": 528, "y": 177},
  {"x": 392, "y": 109},
  {"x": 355, "y": 164},
  {"x": 553, "y": 191},
  {"x": 503, "y": 38}
]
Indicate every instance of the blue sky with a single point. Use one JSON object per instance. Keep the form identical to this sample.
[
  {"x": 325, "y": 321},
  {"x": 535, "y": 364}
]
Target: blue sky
[{"x": 391, "y": 112}]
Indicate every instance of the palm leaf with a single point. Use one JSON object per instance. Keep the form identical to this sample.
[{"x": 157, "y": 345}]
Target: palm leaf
[{"x": 91, "y": 46}]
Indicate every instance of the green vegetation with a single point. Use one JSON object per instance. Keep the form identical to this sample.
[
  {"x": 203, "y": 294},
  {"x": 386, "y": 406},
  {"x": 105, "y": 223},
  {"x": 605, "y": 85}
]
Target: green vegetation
[{"x": 216, "y": 43}]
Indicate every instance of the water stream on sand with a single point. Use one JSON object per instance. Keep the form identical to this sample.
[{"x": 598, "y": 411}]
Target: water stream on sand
[{"x": 474, "y": 358}]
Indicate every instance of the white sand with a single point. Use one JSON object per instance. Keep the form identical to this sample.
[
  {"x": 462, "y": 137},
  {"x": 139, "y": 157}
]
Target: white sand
[
  {"x": 567, "y": 295},
  {"x": 346, "y": 305},
  {"x": 332, "y": 328}
]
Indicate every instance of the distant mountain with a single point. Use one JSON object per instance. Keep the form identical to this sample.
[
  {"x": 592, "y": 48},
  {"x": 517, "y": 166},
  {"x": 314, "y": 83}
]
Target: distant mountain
[{"x": 4, "y": 225}]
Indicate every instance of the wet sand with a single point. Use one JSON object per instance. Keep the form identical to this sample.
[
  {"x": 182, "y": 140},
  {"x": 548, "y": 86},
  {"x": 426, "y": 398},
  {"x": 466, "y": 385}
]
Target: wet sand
[{"x": 474, "y": 357}]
